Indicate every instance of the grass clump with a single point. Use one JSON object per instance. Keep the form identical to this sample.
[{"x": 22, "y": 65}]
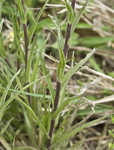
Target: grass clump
[{"x": 46, "y": 101}]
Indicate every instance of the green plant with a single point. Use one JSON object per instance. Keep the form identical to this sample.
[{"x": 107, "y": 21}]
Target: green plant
[{"x": 35, "y": 114}]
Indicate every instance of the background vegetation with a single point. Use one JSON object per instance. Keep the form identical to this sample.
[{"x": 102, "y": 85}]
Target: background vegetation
[{"x": 56, "y": 75}]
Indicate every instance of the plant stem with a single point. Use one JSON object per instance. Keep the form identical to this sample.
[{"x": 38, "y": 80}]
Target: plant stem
[
  {"x": 68, "y": 31},
  {"x": 25, "y": 38},
  {"x": 58, "y": 84},
  {"x": 26, "y": 46}
]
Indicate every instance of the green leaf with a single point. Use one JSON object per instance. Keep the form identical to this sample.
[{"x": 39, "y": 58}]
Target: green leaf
[
  {"x": 46, "y": 24},
  {"x": 21, "y": 11},
  {"x": 27, "y": 93},
  {"x": 48, "y": 79},
  {"x": 3, "y": 98},
  {"x": 111, "y": 146},
  {"x": 73, "y": 70},
  {"x": 70, "y": 11},
  {"x": 35, "y": 22},
  {"x": 113, "y": 118},
  {"x": 29, "y": 127},
  {"x": 35, "y": 117},
  {"x": 94, "y": 41},
  {"x": 60, "y": 44},
  {"x": 95, "y": 65},
  {"x": 82, "y": 25},
  {"x": 61, "y": 67},
  {"x": 73, "y": 131},
  {"x": 2, "y": 48},
  {"x": 65, "y": 103},
  {"x": 5, "y": 106},
  {"x": 4, "y": 129},
  {"x": 78, "y": 16},
  {"x": 69, "y": 74},
  {"x": 73, "y": 39}
]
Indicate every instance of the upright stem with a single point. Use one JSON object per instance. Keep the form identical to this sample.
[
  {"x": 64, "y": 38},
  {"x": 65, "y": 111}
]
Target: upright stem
[
  {"x": 26, "y": 45},
  {"x": 25, "y": 38},
  {"x": 58, "y": 84},
  {"x": 58, "y": 87},
  {"x": 68, "y": 31}
]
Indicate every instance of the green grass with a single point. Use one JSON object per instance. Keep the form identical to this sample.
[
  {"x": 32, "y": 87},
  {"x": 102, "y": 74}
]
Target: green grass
[{"x": 37, "y": 113}]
